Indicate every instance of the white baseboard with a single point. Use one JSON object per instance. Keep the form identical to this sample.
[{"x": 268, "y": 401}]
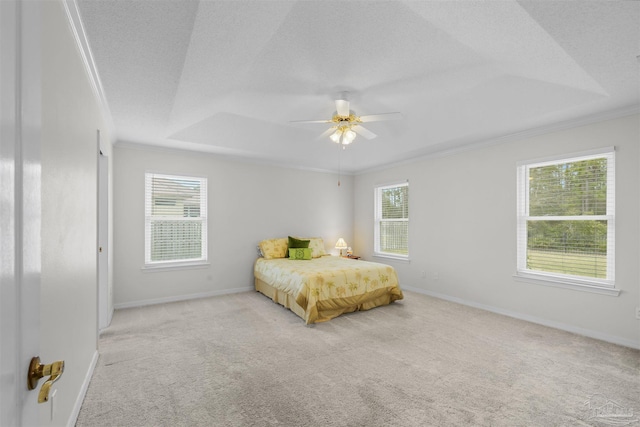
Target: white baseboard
[
  {"x": 175, "y": 298},
  {"x": 83, "y": 391},
  {"x": 533, "y": 319},
  {"x": 109, "y": 318}
]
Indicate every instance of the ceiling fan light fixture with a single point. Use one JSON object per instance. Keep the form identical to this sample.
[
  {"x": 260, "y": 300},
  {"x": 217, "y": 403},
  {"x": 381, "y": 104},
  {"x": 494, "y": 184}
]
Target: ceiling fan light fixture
[
  {"x": 349, "y": 136},
  {"x": 335, "y": 137},
  {"x": 343, "y": 122}
]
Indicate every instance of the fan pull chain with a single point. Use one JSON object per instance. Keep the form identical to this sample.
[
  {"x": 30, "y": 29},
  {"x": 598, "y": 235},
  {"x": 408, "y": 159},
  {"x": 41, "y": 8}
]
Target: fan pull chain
[{"x": 340, "y": 165}]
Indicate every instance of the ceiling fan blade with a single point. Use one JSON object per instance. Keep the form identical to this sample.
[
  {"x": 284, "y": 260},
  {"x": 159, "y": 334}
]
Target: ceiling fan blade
[
  {"x": 311, "y": 121},
  {"x": 327, "y": 132},
  {"x": 380, "y": 117},
  {"x": 364, "y": 132},
  {"x": 342, "y": 107}
]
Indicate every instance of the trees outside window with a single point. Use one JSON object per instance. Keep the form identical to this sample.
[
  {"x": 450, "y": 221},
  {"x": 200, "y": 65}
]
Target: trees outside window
[
  {"x": 566, "y": 218},
  {"x": 391, "y": 234}
]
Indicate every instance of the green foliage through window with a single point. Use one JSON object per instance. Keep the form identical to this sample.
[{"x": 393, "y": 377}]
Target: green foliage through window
[
  {"x": 567, "y": 216},
  {"x": 576, "y": 188},
  {"x": 392, "y": 220}
]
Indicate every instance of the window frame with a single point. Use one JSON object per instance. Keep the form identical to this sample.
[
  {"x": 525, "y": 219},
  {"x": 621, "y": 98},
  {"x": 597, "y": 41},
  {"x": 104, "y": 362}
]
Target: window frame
[
  {"x": 148, "y": 218},
  {"x": 377, "y": 219},
  {"x": 583, "y": 283}
]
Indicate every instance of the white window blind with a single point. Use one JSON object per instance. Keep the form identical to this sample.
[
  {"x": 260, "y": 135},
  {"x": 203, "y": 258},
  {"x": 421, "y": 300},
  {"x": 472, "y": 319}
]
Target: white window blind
[
  {"x": 175, "y": 219},
  {"x": 391, "y": 235},
  {"x": 566, "y": 218}
]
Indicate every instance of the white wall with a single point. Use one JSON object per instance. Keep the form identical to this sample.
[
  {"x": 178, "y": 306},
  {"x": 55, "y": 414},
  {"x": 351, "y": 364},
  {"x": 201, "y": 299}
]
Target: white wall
[
  {"x": 247, "y": 203},
  {"x": 463, "y": 222},
  {"x": 71, "y": 115}
]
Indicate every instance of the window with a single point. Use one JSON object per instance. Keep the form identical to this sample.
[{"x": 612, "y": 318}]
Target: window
[
  {"x": 175, "y": 220},
  {"x": 391, "y": 235},
  {"x": 566, "y": 219}
]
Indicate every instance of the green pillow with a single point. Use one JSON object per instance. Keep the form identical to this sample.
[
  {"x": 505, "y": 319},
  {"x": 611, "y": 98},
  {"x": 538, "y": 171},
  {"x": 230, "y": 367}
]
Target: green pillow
[
  {"x": 299, "y": 253},
  {"x": 298, "y": 243}
]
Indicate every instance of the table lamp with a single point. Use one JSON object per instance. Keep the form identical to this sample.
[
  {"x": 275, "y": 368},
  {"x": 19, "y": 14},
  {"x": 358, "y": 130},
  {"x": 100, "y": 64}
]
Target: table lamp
[{"x": 341, "y": 244}]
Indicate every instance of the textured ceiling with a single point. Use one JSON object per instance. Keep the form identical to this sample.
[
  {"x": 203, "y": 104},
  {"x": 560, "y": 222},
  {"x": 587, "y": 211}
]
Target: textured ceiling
[{"x": 228, "y": 76}]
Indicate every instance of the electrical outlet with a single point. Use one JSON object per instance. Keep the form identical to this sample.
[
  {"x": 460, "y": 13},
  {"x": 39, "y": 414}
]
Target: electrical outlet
[
  {"x": 435, "y": 276},
  {"x": 638, "y": 313},
  {"x": 423, "y": 274}
]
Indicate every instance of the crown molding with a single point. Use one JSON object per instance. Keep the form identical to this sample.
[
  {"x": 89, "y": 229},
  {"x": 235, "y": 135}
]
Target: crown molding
[
  {"x": 437, "y": 151},
  {"x": 440, "y": 150},
  {"x": 228, "y": 156},
  {"x": 80, "y": 36}
]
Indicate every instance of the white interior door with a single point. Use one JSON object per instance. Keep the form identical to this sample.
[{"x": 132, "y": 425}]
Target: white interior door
[
  {"x": 20, "y": 214},
  {"x": 103, "y": 242}
]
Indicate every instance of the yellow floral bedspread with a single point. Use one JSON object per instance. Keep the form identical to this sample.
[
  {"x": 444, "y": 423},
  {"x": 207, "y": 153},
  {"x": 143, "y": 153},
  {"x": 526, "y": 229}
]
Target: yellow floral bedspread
[{"x": 330, "y": 283}]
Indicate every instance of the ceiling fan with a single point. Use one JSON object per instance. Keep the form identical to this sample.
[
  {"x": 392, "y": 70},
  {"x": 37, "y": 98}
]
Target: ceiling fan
[{"x": 345, "y": 124}]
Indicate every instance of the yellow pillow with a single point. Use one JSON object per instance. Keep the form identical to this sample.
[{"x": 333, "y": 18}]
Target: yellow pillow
[
  {"x": 316, "y": 244},
  {"x": 273, "y": 248}
]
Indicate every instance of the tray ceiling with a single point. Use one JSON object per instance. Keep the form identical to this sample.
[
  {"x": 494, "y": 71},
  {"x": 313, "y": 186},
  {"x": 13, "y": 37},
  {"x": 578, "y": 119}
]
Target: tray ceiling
[{"x": 227, "y": 76}]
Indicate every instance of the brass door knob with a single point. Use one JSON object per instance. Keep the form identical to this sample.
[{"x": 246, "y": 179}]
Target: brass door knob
[{"x": 37, "y": 370}]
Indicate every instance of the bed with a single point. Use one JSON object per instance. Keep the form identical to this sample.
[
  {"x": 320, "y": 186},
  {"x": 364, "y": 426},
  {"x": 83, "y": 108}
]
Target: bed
[{"x": 325, "y": 286}]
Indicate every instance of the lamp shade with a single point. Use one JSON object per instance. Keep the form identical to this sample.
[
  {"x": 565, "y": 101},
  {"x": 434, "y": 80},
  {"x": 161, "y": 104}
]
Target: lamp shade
[{"x": 341, "y": 244}]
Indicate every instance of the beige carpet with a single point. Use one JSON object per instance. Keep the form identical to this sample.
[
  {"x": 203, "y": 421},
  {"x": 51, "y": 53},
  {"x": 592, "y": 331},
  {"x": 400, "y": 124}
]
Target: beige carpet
[{"x": 241, "y": 360}]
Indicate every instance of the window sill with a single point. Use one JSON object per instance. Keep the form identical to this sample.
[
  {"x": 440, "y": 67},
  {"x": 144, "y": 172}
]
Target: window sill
[
  {"x": 152, "y": 268},
  {"x": 566, "y": 283},
  {"x": 392, "y": 257}
]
